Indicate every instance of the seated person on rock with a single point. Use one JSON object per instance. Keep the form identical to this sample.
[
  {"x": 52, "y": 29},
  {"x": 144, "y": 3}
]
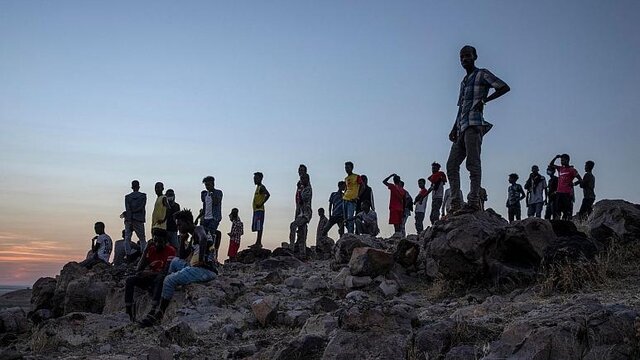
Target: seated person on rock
[
  {"x": 199, "y": 266},
  {"x": 151, "y": 271},
  {"x": 367, "y": 220},
  {"x": 101, "y": 246}
]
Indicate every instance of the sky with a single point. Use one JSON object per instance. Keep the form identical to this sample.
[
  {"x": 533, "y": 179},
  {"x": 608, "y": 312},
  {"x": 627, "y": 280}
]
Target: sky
[{"x": 94, "y": 94}]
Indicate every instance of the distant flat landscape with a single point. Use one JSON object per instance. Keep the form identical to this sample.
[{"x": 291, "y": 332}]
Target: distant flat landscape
[{"x": 12, "y": 296}]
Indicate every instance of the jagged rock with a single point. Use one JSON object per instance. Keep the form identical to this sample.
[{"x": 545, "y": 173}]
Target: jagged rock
[
  {"x": 339, "y": 280},
  {"x": 434, "y": 340},
  {"x": 282, "y": 262},
  {"x": 366, "y": 261},
  {"x": 231, "y": 331},
  {"x": 482, "y": 245},
  {"x": 85, "y": 295},
  {"x": 42, "y": 293},
  {"x": 295, "y": 318},
  {"x": 369, "y": 333},
  {"x": 617, "y": 219},
  {"x": 280, "y": 251},
  {"x": 294, "y": 282},
  {"x": 344, "y": 247},
  {"x": 13, "y": 320},
  {"x": 77, "y": 329},
  {"x": 324, "y": 248},
  {"x": 565, "y": 228},
  {"x": 251, "y": 255},
  {"x": 325, "y": 304},
  {"x": 40, "y": 315},
  {"x": 406, "y": 253},
  {"x": 181, "y": 334},
  {"x": 265, "y": 310},
  {"x": 274, "y": 278},
  {"x": 355, "y": 282},
  {"x": 158, "y": 353},
  {"x": 323, "y": 325},
  {"x": 356, "y": 296},
  {"x": 245, "y": 351},
  {"x": 71, "y": 271},
  {"x": 389, "y": 288},
  {"x": 218, "y": 292},
  {"x": 570, "y": 249},
  {"x": 315, "y": 283},
  {"x": 302, "y": 347},
  {"x": 463, "y": 352},
  {"x": 584, "y": 329}
]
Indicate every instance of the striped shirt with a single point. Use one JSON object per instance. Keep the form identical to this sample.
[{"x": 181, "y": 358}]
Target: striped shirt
[{"x": 473, "y": 89}]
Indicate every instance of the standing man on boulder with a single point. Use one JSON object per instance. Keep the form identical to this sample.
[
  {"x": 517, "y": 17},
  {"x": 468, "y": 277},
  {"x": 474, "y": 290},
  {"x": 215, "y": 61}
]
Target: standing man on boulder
[
  {"x": 134, "y": 217},
  {"x": 470, "y": 127},
  {"x": 351, "y": 195},
  {"x": 588, "y": 186},
  {"x": 211, "y": 211},
  {"x": 437, "y": 180},
  {"x": 159, "y": 215},
  {"x": 396, "y": 203},
  {"x": 299, "y": 226},
  {"x": 564, "y": 194},
  {"x": 172, "y": 208},
  {"x": 260, "y": 197},
  {"x": 536, "y": 187}
]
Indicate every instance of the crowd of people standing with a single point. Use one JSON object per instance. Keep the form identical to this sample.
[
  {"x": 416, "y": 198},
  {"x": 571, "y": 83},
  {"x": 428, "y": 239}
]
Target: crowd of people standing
[{"x": 184, "y": 249}]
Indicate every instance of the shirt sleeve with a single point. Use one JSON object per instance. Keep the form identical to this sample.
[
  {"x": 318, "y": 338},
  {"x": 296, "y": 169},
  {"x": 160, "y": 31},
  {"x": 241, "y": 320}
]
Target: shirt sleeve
[{"x": 492, "y": 80}]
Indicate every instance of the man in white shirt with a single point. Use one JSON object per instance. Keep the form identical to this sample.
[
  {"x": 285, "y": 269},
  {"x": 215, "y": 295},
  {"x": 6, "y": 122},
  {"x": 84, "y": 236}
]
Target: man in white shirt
[{"x": 101, "y": 246}]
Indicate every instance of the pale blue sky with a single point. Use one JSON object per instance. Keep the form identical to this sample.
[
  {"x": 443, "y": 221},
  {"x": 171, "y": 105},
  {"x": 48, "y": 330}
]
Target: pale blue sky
[{"x": 94, "y": 94}]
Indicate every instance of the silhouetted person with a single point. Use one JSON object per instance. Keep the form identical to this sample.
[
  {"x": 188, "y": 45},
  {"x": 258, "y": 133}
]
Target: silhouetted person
[
  {"x": 437, "y": 179},
  {"x": 420, "y": 203},
  {"x": 367, "y": 220},
  {"x": 407, "y": 202},
  {"x": 536, "y": 186},
  {"x": 237, "y": 230},
  {"x": 150, "y": 272},
  {"x": 365, "y": 195},
  {"x": 470, "y": 126},
  {"x": 211, "y": 211},
  {"x": 514, "y": 196},
  {"x": 566, "y": 174},
  {"x": 396, "y": 203},
  {"x": 299, "y": 226},
  {"x": 159, "y": 215},
  {"x": 322, "y": 223},
  {"x": 101, "y": 246},
  {"x": 551, "y": 212},
  {"x": 336, "y": 210},
  {"x": 351, "y": 195},
  {"x": 172, "y": 208},
  {"x": 260, "y": 197},
  {"x": 588, "y": 185},
  {"x": 134, "y": 217}
]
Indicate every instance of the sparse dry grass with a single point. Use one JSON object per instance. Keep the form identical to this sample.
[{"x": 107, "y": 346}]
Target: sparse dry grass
[{"x": 619, "y": 261}]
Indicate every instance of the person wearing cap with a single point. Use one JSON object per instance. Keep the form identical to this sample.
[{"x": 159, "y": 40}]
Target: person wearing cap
[
  {"x": 237, "y": 229},
  {"x": 260, "y": 197}
]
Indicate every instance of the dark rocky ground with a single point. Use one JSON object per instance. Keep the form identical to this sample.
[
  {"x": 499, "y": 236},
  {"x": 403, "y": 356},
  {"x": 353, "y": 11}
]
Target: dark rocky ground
[{"x": 471, "y": 287}]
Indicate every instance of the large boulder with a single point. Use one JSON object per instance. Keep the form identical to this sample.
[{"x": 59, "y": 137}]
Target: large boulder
[
  {"x": 42, "y": 293},
  {"x": 406, "y": 253},
  {"x": 251, "y": 255},
  {"x": 584, "y": 329},
  {"x": 78, "y": 329},
  {"x": 70, "y": 272},
  {"x": 265, "y": 310},
  {"x": 615, "y": 219},
  {"x": 366, "y": 261},
  {"x": 344, "y": 247},
  {"x": 85, "y": 295},
  {"x": 13, "y": 320},
  {"x": 370, "y": 333},
  {"x": 324, "y": 248}
]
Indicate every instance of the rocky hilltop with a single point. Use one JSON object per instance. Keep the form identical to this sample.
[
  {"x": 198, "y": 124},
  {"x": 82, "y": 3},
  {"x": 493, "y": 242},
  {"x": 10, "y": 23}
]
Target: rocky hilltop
[{"x": 470, "y": 287}]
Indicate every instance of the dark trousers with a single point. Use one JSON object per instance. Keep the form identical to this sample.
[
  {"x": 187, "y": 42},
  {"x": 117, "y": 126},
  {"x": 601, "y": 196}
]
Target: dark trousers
[
  {"x": 564, "y": 206},
  {"x": 586, "y": 208},
  {"x": 436, "y": 205},
  {"x": 419, "y": 216},
  {"x": 515, "y": 212},
  {"x": 152, "y": 282},
  {"x": 551, "y": 210},
  {"x": 334, "y": 219},
  {"x": 468, "y": 146}
]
